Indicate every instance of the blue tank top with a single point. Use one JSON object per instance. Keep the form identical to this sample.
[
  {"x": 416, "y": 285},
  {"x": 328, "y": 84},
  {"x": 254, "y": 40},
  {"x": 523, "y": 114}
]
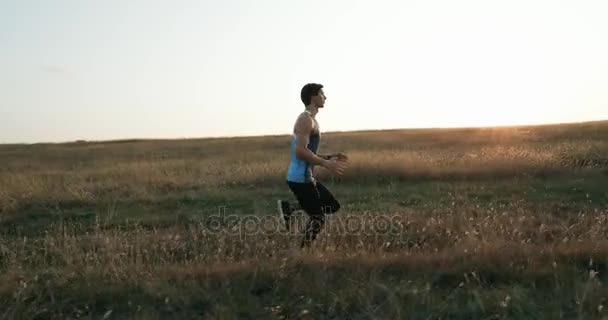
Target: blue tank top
[{"x": 300, "y": 170}]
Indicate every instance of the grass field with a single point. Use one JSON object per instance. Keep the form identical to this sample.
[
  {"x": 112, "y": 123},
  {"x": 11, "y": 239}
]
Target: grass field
[{"x": 489, "y": 223}]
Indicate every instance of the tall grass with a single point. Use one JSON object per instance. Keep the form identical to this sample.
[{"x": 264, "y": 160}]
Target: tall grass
[
  {"x": 501, "y": 223},
  {"x": 59, "y": 175}
]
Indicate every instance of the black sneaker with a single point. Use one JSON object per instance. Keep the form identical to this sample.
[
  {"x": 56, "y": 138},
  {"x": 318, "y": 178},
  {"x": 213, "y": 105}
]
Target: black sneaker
[{"x": 285, "y": 211}]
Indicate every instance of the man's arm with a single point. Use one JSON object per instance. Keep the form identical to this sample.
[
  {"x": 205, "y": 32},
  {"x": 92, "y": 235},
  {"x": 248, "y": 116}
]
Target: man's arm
[
  {"x": 303, "y": 127},
  {"x": 338, "y": 156}
]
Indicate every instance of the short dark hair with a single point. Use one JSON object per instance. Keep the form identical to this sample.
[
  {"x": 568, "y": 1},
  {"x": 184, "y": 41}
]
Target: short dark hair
[{"x": 308, "y": 91}]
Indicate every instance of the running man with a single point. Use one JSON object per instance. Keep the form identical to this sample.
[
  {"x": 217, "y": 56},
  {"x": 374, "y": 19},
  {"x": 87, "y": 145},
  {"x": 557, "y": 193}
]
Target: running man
[{"x": 313, "y": 197}]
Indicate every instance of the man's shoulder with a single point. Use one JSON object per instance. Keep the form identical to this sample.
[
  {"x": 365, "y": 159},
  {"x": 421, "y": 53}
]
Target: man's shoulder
[{"x": 305, "y": 116}]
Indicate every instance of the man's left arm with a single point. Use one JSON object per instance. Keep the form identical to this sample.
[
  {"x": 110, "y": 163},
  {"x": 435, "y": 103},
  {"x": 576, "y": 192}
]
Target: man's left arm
[{"x": 338, "y": 156}]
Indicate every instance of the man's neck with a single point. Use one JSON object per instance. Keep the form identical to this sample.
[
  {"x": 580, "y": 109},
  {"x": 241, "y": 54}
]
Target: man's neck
[{"x": 312, "y": 109}]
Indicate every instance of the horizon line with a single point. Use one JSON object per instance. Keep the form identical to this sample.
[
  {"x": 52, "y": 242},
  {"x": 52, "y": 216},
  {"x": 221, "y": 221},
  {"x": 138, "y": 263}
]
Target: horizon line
[{"x": 135, "y": 139}]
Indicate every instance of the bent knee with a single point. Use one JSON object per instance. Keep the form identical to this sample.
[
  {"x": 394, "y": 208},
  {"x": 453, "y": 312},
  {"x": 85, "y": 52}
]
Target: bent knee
[{"x": 331, "y": 208}]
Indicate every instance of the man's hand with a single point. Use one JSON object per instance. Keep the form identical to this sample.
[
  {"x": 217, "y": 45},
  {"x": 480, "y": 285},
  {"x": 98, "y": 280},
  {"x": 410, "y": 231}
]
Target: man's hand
[
  {"x": 335, "y": 166},
  {"x": 339, "y": 156}
]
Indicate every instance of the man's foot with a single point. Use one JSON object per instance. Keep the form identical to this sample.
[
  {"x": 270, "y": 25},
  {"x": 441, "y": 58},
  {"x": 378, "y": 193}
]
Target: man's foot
[{"x": 285, "y": 211}]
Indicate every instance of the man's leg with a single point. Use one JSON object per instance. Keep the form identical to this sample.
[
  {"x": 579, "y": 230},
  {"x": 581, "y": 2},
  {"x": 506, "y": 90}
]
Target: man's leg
[
  {"x": 310, "y": 200},
  {"x": 313, "y": 227},
  {"x": 286, "y": 209},
  {"x": 329, "y": 204}
]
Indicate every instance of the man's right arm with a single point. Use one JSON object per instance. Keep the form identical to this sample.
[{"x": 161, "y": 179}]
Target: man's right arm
[{"x": 303, "y": 128}]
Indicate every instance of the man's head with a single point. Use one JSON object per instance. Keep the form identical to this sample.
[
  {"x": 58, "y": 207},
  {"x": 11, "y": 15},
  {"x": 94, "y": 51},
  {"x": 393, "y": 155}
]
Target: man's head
[{"x": 312, "y": 94}]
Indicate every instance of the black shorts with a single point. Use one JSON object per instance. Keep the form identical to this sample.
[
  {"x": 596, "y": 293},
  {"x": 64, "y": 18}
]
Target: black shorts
[{"x": 314, "y": 198}]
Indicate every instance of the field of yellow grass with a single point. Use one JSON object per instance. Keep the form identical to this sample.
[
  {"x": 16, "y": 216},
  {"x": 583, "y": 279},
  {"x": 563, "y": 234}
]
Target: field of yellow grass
[{"x": 479, "y": 223}]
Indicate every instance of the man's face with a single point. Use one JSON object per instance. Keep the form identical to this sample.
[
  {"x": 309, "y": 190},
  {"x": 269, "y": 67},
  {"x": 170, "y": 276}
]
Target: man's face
[{"x": 319, "y": 99}]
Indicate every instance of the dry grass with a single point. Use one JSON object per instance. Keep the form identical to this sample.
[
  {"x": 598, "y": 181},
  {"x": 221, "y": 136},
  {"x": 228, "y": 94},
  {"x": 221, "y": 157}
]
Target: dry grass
[
  {"x": 504, "y": 223},
  {"x": 91, "y": 175}
]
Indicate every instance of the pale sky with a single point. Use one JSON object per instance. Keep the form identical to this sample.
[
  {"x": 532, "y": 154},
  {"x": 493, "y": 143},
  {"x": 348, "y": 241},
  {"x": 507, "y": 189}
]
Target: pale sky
[{"x": 118, "y": 69}]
